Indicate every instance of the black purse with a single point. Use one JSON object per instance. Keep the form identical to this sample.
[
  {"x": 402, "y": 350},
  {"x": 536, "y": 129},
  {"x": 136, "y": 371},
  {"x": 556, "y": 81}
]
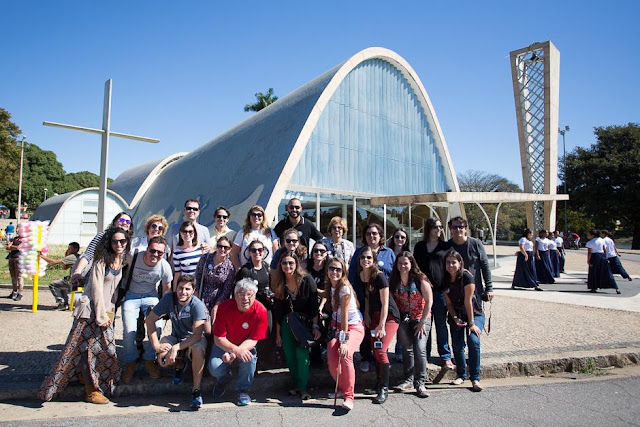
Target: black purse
[
  {"x": 123, "y": 288},
  {"x": 300, "y": 325}
]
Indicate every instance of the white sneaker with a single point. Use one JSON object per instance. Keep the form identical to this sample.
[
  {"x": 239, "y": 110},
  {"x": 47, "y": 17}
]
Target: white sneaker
[
  {"x": 347, "y": 404},
  {"x": 457, "y": 381},
  {"x": 475, "y": 386},
  {"x": 364, "y": 366}
]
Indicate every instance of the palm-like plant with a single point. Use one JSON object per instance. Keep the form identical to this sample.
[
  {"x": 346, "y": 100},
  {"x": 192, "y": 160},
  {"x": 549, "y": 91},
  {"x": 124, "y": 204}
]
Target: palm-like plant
[{"x": 263, "y": 100}]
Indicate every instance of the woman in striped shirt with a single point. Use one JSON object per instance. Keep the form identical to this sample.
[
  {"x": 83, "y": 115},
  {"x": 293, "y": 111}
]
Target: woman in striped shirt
[{"x": 187, "y": 253}]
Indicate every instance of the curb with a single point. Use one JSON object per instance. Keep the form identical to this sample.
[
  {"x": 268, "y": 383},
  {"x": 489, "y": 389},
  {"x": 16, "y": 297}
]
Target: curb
[{"x": 274, "y": 379}]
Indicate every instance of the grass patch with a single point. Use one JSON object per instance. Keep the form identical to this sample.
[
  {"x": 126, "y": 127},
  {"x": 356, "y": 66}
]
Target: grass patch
[{"x": 54, "y": 272}]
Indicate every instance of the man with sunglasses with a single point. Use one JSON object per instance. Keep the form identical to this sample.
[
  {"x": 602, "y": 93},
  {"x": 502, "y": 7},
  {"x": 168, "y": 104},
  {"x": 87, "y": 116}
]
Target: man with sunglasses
[
  {"x": 190, "y": 213},
  {"x": 148, "y": 269},
  {"x": 294, "y": 219},
  {"x": 474, "y": 256},
  {"x": 220, "y": 219}
]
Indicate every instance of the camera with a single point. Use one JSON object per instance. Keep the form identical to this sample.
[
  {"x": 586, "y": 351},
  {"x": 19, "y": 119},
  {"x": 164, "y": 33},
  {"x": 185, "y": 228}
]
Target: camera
[
  {"x": 460, "y": 323},
  {"x": 485, "y": 297},
  {"x": 377, "y": 344},
  {"x": 406, "y": 318},
  {"x": 268, "y": 293}
]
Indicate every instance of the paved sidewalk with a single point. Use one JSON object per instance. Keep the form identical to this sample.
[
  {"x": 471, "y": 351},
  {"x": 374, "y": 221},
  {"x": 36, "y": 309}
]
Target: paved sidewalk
[{"x": 565, "y": 328}]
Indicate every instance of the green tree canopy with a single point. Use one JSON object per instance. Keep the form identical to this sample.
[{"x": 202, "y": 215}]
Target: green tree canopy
[
  {"x": 263, "y": 100},
  {"x": 10, "y": 159},
  {"x": 602, "y": 180},
  {"x": 512, "y": 218}
]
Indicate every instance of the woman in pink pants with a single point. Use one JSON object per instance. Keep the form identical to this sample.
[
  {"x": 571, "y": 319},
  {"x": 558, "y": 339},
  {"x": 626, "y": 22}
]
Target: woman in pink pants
[{"x": 349, "y": 330}]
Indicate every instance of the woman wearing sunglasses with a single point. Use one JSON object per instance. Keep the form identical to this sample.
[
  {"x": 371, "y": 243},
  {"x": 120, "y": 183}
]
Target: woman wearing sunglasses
[
  {"x": 291, "y": 244},
  {"x": 221, "y": 218},
  {"x": 295, "y": 291},
  {"x": 90, "y": 350},
  {"x": 255, "y": 228},
  {"x": 399, "y": 242},
  {"x": 156, "y": 225},
  {"x": 215, "y": 276},
  {"x": 187, "y": 254}
]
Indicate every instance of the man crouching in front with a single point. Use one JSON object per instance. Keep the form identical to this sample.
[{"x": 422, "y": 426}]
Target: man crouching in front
[
  {"x": 188, "y": 316},
  {"x": 240, "y": 323}
]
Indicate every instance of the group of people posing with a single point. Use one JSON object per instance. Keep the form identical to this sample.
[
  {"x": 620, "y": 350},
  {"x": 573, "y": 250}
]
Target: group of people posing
[
  {"x": 541, "y": 261},
  {"x": 232, "y": 297}
]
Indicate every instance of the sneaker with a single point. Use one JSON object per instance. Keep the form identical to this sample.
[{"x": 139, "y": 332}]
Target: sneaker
[
  {"x": 449, "y": 365},
  {"x": 152, "y": 369},
  {"x": 196, "y": 399},
  {"x": 475, "y": 386},
  {"x": 404, "y": 386},
  {"x": 364, "y": 366},
  {"x": 457, "y": 381},
  {"x": 62, "y": 306},
  {"x": 347, "y": 404},
  {"x": 219, "y": 390},
  {"x": 421, "y": 391},
  {"x": 178, "y": 376},
  {"x": 12, "y": 295},
  {"x": 339, "y": 395},
  {"x": 244, "y": 399},
  {"x": 17, "y": 297}
]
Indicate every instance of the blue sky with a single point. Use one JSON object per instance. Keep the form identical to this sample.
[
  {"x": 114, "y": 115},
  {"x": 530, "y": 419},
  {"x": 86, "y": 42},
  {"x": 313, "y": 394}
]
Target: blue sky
[{"x": 183, "y": 71}]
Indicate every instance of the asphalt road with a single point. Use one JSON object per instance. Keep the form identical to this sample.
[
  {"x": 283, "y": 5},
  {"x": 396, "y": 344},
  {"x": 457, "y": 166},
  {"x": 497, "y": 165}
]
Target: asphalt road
[{"x": 608, "y": 399}]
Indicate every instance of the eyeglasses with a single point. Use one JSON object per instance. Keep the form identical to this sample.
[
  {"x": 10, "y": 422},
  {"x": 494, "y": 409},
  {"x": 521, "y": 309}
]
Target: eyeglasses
[
  {"x": 191, "y": 208},
  {"x": 187, "y": 231},
  {"x": 155, "y": 252},
  {"x": 291, "y": 240},
  {"x": 256, "y": 250},
  {"x": 458, "y": 227},
  {"x": 319, "y": 251},
  {"x": 222, "y": 216},
  {"x": 157, "y": 227},
  {"x": 399, "y": 237},
  {"x": 366, "y": 257},
  {"x": 120, "y": 242},
  {"x": 287, "y": 263},
  {"x": 223, "y": 247},
  {"x": 335, "y": 269},
  {"x": 257, "y": 214},
  {"x": 124, "y": 221},
  {"x": 294, "y": 207}
]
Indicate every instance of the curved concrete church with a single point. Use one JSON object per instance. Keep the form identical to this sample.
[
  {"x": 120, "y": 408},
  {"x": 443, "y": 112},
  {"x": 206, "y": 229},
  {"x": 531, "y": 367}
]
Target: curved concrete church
[{"x": 363, "y": 129}]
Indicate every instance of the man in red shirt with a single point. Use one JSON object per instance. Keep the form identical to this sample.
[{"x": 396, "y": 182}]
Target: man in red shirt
[{"x": 240, "y": 323}]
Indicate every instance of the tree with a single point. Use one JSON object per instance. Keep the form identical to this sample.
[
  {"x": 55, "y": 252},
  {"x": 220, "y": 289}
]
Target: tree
[
  {"x": 602, "y": 180},
  {"x": 263, "y": 100},
  {"x": 512, "y": 218},
  {"x": 10, "y": 159}
]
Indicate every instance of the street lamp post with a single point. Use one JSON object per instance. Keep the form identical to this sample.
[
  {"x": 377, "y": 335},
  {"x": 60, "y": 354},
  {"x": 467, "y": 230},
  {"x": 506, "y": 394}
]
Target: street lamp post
[
  {"x": 45, "y": 194},
  {"x": 21, "y": 143},
  {"x": 564, "y": 155}
]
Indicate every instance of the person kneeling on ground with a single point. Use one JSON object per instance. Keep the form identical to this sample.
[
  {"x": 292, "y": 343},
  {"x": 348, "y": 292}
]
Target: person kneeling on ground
[
  {"x": 188, "y": 316},
  {"x": 61, "y": 288},
  {"x": 240, "y": 323}
]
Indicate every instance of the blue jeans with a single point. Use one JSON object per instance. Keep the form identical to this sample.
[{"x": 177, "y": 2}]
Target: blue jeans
[
  {"x": 130, "y": 311},
  {"x": 222, "y": 371},
  {"x": 439, "y": 317},
  {"x": 458, "y": 341}
]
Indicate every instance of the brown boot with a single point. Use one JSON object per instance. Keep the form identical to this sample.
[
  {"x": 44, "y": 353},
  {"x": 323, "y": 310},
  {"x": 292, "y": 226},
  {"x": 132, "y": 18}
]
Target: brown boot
[
  {"x": 129, "y": 371},
  {"x": 152, "y": 369},
  {"x": 94, "y": 396}
]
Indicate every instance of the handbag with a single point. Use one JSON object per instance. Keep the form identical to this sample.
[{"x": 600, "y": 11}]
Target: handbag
[
  {"x": 300, "y": 326},
  {"x": 123, "y": 288}
]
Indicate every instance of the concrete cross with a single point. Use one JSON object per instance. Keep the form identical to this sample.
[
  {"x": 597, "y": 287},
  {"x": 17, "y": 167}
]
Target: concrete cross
[{"x": 104, "y": 157}]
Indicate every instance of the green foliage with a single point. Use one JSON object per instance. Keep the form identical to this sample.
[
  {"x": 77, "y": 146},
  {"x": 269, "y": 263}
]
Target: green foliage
[
  {"x": 10, "y": 159},
  {"x": 577, "y": 221},
  {"x": 512, "y": 218},
  {"x": 602, "y": 179},
  {"x": 263, "y": 100}
]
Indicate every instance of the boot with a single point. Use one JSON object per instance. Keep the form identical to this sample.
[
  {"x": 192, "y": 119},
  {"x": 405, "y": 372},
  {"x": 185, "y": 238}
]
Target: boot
[
  {"x": 383, "y": 380},
  {"x": 129, "y": 372},
  {"x": 94, "y": 396},
  {"x": 152, "y": 369},
  {"x": 376, "y": 390}
]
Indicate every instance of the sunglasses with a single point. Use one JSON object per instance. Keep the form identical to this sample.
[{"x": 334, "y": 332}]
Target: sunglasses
[
  {"x": 191, "y": 208},
  {"x": 319, "y": 251},
  {"x": 256, "y": 250},
  {"x": 157, "y": 227},
  {"x": 156, "y": 252},
  {"x": 187, "y": 231},
  {"x": 372, "y": 233},
  {"x": 400, "y": 237},
  {"x": 291, "y": 240},
  {"x": 121, "y": 242},
  {"x": 223, "y": 247},
  {"x": 458, "y": 227},
  {"x": 222, "y": 216},
  {"x": 366, "y": 257},
  {"x": 124, "y": 221},
  {"x": 257, "y": 214},
  {"x": 335, "y": 269},
  {"x": 287, "y": 263},
  {"x": 295, "y": 207}
]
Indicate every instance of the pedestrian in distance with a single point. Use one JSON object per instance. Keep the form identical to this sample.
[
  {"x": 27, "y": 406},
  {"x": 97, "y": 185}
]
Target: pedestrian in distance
[
  {"x": 544, "y": 270},
  {"x": 525, "y": 275},
  {"x": 613, "y": 257},
  {"x": 599, "y": 276}
]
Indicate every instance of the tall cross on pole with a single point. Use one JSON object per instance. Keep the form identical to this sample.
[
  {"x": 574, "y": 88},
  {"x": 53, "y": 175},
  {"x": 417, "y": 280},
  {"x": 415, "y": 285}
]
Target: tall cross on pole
[{"x": 104, "y": 157}]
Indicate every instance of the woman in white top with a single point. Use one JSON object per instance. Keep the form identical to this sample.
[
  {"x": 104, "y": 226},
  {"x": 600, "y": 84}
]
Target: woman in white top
[
  {"x": 600, "y": 276},
  {"x": 348, "y": 327},
  {"x": 525, "y": 275},
  {"x": 337, "y": 245},
  {"x": 543, "y": 262},
  {"x": 255, "y": 228},
  {"x": 554, "y": 257},
  {"x": 187, "y": 254},
  {"x": 612, "y": 256},
  {"x": 156, "y": 225}
]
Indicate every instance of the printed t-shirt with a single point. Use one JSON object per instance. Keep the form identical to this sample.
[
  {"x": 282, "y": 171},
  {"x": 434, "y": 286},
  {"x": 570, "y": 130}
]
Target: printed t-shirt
[
  {"x": 238, "y": 327},
  {"x": 182, "y": 316},
  {"x": 144, "y": 279}
]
